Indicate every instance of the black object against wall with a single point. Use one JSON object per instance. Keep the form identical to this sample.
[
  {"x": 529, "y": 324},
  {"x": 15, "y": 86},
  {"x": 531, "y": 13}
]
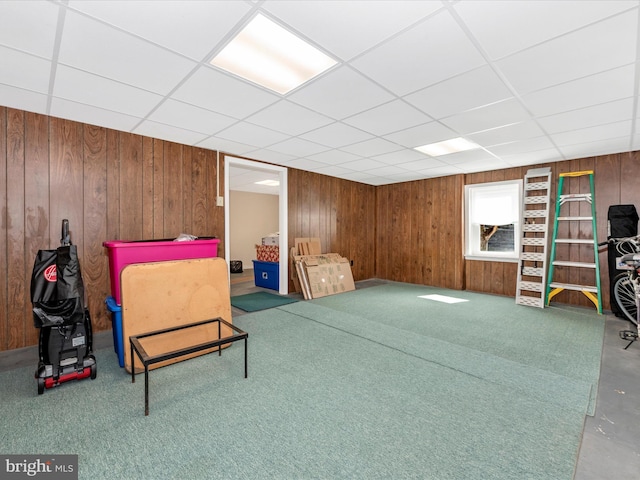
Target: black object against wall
[{"x": 622, "y": 223}]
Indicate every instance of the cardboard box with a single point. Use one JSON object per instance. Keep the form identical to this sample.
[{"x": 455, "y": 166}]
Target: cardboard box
[
  {"x": 322, "y": 275},
  {"x": 271, "y": 240},
  {"x": 268, "y": 253}
]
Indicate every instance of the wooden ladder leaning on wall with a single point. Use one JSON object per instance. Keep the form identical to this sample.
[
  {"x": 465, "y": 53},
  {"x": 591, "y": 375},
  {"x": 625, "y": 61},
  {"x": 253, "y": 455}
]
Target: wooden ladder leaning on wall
[{"x": 534, "y": 230}]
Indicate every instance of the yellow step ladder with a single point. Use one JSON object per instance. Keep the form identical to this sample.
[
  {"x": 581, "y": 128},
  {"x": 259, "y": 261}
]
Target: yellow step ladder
[{"x": 587, "y": 224}]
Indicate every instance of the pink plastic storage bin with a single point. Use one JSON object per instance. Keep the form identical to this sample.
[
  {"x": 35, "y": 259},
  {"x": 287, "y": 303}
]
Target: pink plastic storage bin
[{"x": 123, "y": 253}]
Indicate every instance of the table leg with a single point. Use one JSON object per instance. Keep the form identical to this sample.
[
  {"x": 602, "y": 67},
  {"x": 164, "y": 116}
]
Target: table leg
[
  {"x": 133, "y": 372},
  {"x": 146, "y": 390}
]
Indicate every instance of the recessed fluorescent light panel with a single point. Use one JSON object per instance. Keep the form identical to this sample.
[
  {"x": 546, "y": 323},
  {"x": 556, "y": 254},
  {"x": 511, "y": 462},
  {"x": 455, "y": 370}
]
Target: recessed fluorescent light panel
[
  {"x": 268, "y": 183},
  {"x": 267, "y": 54},
  {"x": 454, "y": 145}
]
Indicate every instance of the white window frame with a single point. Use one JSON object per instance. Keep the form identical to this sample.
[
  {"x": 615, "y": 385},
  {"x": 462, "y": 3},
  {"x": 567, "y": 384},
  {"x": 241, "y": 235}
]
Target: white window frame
[{"x": 511, "y": 188}]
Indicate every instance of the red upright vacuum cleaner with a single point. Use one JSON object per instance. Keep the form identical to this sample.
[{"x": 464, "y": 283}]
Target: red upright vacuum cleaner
[{"x": 60, "y": 312}]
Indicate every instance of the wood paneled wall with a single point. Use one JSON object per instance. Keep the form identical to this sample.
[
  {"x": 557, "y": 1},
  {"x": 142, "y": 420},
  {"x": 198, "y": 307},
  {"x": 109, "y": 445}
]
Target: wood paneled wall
[
  {"x": 339, "y": 212},
  {"x": 116, "y": 185},
  {"x": 419, "y": 232},
  {"x": 109, "y": 185},
  {"x": 614, "y": 177}
]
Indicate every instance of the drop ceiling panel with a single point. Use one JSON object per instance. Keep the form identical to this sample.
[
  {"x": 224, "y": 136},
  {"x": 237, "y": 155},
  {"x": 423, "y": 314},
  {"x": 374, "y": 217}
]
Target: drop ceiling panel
[
  {"x": 81, "y": 112},
  {"x": 592, "y": 134},
  {"x": 340, "y": 93},
  {"x": 529, "y": 22},
  {"x": 209, "y": 88},
  {"x": 29, "y": 26},
  {"x": 390, "y": 117},
  {"x": 596, "y": 89},
  {"x": 289, "y": 118},
  {"x": 180, "y": 114},
  {"x": 444, "y": 51},
  {"x": 23, "y": 99},
  {"x": 167, "y": 132},
  {"x": 94, "y": 47},
  {"x": 603, "y": 46},
  {"x": 518, "y": 77},
  {"x": 468, "y": 90},
  {"x": 506, "y": 134},
  {"x": 24, "y": 70},
  {"x": 189, "y": 22},
  {"x": 252, "y": 135},
  {"x": 492, "y": 116},
  {"x": 355, "y": 26},
  {"x": 375, "y": 146},
  {"x": 337, "y": 135},
  {"x": 420, "y": 135},
  {"x": 334, "y": 157},
  {"x": 103, "y": 93},
  {"x": 589, "y": 116}
]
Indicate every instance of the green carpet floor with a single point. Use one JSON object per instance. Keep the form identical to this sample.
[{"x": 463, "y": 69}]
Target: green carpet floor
[{"x": 333, "y": 393}]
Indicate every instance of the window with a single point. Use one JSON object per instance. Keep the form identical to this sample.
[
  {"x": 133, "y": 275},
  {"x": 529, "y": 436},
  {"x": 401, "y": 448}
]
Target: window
[{"x": 492, "y": 221}]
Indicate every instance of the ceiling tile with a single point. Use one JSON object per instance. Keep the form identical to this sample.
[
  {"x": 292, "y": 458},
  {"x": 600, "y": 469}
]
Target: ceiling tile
[
  {"x": 431, "y": 132},
  {"x": 287, "y": 117},
  {"x": 189, "y": 22},
  {"x": 592, "y": 149},
  {"x": 249, "y": 134},
  {"x": 592, "y": 134},
  {"x": 523, "y": 146},
  {"x": 80, "y": 112},
  {"x": 94, "y": 47},
  {"x": 444, "y": 49},
  {"x": 363, "y": 165},
  {"x": 595, "y": 89},
  {"x": 529, "y": 22},
  {"x": 388, "y": 118},
  {"x": 355, "y": 26},
  {"x": 509, "y": 133},
  {"x": 401, "y": 157},
  {"x": 589, "y": 117},
  {"x": 492, "y": 116},
  {"x": 336, "y": 135},
  {"x": 340, "y": 93},
  {"x": 29, "y": 26},
  {"x": 462, "y": 159},
  {"x": 208, "y": 88},
  {"x": 603, "y": 46},
  {"x": 476, "y": 88},
  {"x": 181, "y": 114},
  {"x": 167, "y": 132},
  {"x": 225, "y": 146},
  {"x": 103, "y": 93},
  {"x": 270, "y": 156},
  {"x": 23, "y": 99},
  {"x": 532, "y": 158},
  {"x": 298, "y": 147},
  {"x": 334, "y": 157},
  {"x": 24, "y": 71},
  {"x": 375, "y": 146}
]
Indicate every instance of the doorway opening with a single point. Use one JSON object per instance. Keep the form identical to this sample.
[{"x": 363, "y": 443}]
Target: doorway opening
[{"x": 233, "y": 164}]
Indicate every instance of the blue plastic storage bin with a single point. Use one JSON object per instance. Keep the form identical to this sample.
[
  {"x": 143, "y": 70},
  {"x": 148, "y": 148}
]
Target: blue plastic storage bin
[
  {"x": 116, "y": 327},
  {"x": 266, "y": 274}
]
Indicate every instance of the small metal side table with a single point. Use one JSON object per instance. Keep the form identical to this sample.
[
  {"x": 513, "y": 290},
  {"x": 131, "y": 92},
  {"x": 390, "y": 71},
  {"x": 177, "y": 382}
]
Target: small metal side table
[{"x": 134, "y": 342}]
